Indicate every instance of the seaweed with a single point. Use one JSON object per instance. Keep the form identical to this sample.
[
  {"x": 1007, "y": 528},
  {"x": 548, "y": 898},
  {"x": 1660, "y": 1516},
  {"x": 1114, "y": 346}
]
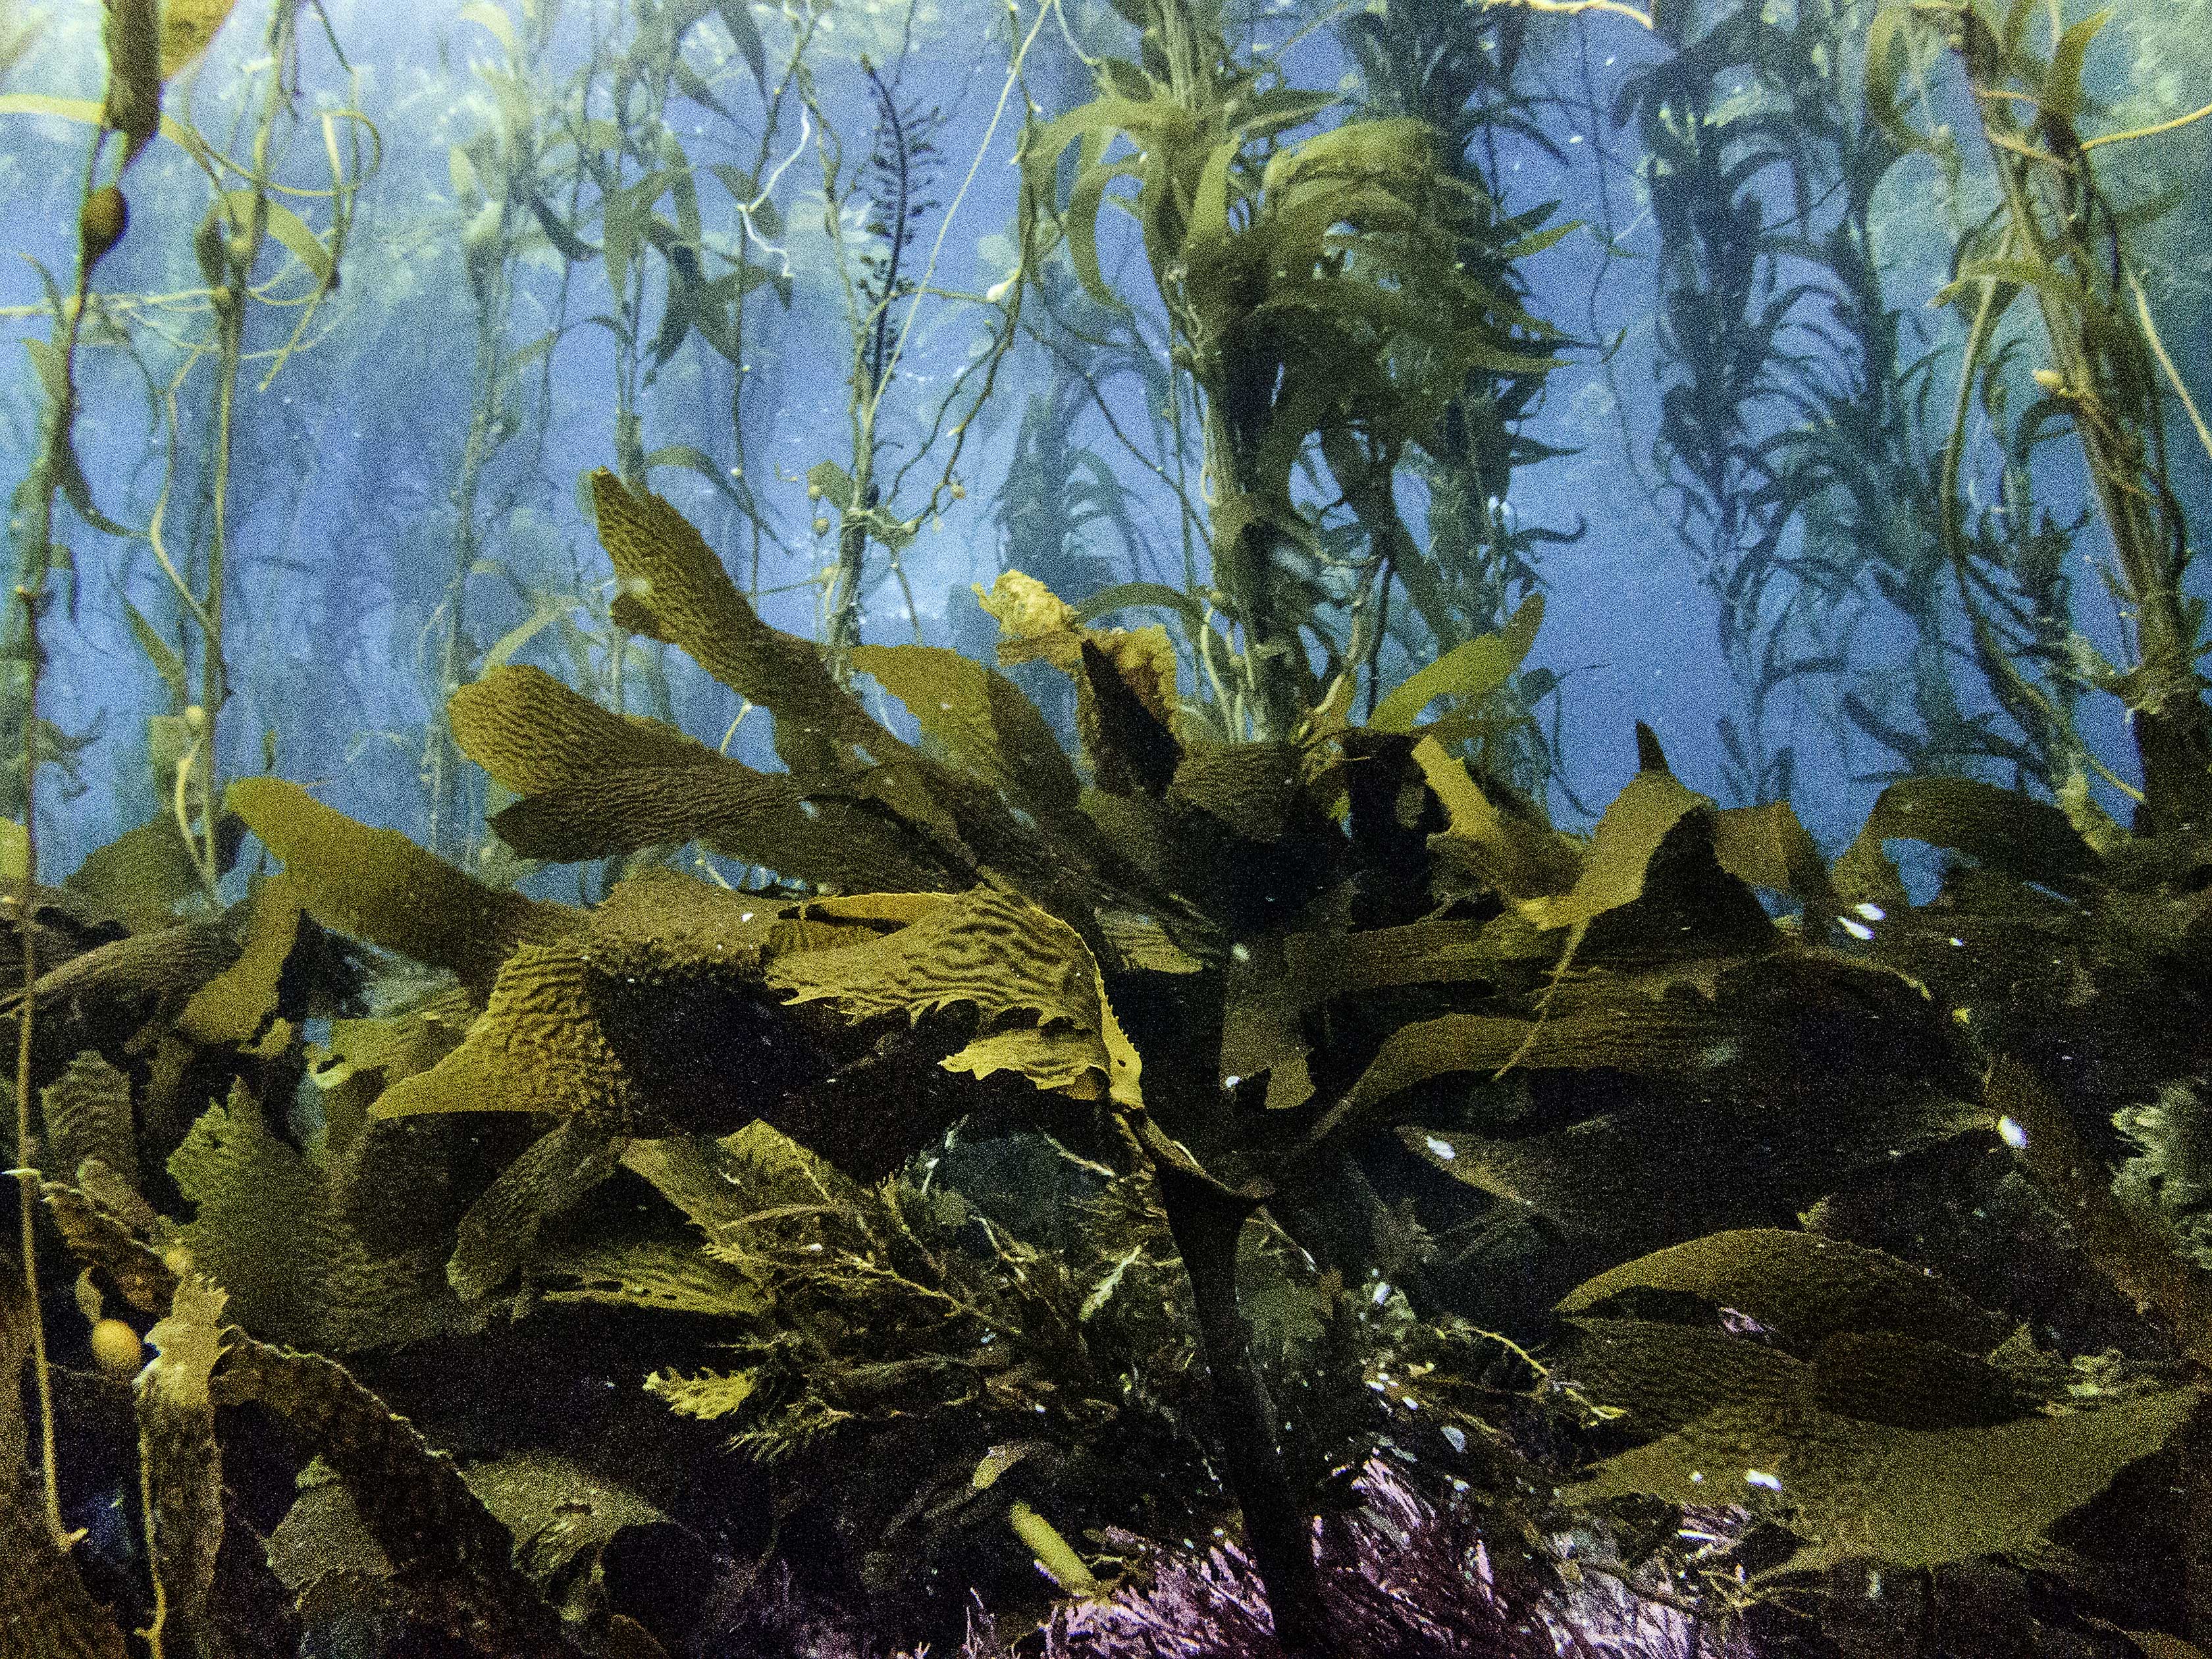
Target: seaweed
[
  {"x": 1315, "y": 293},
  {"x": 1162, "y": 1140}
]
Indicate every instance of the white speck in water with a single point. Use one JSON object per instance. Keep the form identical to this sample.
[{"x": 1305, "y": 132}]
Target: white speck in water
[
  {"x": 1761, "y": 1477},
  {"x": 1857, "y": 930},
  {"x": 1382, "y": 1293},
  {"x": 2012, "y": 1135},
  {"x": 1442, "y": 1150},
  {"x": 1239, "y": 953},
  {"x": 1869, "y": 911},
  {"x": 1455, "y": 1436}
]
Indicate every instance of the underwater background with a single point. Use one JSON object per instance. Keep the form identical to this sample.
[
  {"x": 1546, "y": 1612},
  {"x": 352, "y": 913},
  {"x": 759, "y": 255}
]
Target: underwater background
[{"x": 1143, "y": 828}]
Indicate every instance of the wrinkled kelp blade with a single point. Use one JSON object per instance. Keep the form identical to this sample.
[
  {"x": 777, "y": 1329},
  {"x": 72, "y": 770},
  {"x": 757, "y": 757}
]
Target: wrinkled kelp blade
[
  {"x": 456, "y": 1559},
  {"x": 1915, "y": 1499},
  {"x": 675, "y": 589},
  {"x": 594, "y": 784},
  {"x": 266, "y": 1225},
  {"x": 1802, "y": 1286},
  {"x": 990, "y": 950},
  {"x": 377, "y": 885}
]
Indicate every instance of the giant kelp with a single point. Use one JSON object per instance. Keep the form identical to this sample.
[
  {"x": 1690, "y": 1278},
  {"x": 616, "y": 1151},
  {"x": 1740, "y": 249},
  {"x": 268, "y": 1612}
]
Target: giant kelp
[
  {"x": 1319, "y": 293},
  {"x": 1373, "y": 1131},
  {"x": 1664, "y": 1062}
]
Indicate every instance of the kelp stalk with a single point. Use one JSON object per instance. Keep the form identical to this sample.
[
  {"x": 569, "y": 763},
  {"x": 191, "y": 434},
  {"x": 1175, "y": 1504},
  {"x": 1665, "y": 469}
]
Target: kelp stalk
[
  {"x": 234, "y": 261},
  {"x": 2063, "y": 242},
  {"x": 898, "y": 175},
  {"x": 1207, "y": 1220},
  {"x": 496, "y": 229},
  {"x": 133, "y": 107},
  {"x": 32, "y": 599}
]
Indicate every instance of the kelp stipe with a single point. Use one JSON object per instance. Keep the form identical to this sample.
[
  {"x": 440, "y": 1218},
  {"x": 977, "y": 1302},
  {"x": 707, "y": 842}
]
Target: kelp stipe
[
  {"x": 2057, "y": 238},
  {"x": 141, "y": 54},
  {"x": 1317, "y": 298},
  {"x": 1460, "y": 70}
]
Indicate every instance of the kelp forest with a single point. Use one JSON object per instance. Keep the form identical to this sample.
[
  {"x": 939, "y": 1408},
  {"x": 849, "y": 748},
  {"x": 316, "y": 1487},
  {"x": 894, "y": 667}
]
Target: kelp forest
[{"x": 1106, "y": 828}]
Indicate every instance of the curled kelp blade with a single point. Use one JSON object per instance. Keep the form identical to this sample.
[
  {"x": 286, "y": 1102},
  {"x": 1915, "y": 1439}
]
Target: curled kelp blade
[
  {"x": 657, "y": 1017},
  {"x": 1473, "y": 670},
  {"x": 180, "y": 1462},
  {"x": 2030, "y": 840},
  {"x": 1720, "y": 1098},
  {"x": 839, "y": 756},
  {"x": 1126, "y": 704},
  {"x": 456, "y": 1559},
  {"x": 106, "y": 997},
  {"x": 1662, "y": 1374},
  {"x": 1651, "y": 812},
  {"x": 676, "y": 590},
  {"x": 149, "y": 875},
  {"x": 363, "y": 1058},
  {"x": 986, "y": 726},
  {"x": 1844, "y": 1394},
  {"x": 1023, "y": 971},
  {"x": 1663, "y": 871},
  {"x": 500, "y": 1229},
  {"x": 169, "y": 963},
  {"x": 277, "y": 947},
  {"x": 652, "y": 1008},
  {"x": 114, "y": 1238},
  {"x": 1511, "y": 854}
]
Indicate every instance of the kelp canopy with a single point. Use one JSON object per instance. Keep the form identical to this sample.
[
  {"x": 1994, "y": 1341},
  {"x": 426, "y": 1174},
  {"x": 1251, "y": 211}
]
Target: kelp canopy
[{"x": 1145, "y": 1139}]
